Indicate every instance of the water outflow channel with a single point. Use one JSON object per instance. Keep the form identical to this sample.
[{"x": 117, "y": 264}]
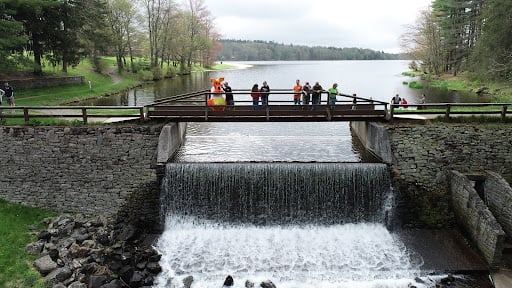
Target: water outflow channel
[{"x": 298, "y": 224}]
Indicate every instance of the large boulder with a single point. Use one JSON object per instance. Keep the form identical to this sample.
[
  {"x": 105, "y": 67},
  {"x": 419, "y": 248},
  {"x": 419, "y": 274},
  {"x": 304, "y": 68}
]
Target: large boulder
[{"x": 45, "y": 265}]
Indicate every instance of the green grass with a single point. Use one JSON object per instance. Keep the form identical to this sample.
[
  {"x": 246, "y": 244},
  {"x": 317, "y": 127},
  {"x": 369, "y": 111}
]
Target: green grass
[
  {"x": 415, "y": 85},
  {"x": 15, "y": 264},
  {"x": 412, "y": 73},
  {"x": 53, "y": 96}
]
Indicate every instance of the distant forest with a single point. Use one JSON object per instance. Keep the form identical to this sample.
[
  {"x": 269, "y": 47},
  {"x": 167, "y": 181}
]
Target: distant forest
[{"x": 243, "y": 50}]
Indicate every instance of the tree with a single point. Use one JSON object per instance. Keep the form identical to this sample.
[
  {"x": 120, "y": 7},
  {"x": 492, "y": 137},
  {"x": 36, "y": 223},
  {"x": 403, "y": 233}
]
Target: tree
[
  {"x": 12, "y": 39},
  {"x": 492, "y": 57},
  {"x": 423, "y": 42},
  {"x": 155, "y": 17},
  {"x": 121, "y": 15},
  {"x": 458, "y": 20},
  {"x": 38, "y": 25}
]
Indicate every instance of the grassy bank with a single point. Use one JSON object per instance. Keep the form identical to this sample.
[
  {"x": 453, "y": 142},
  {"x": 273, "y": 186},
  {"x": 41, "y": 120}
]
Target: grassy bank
[
  {"x": 15, "y": 264},
  {"x": 501, "y": 91},
  {"x": 96, "y": 84}
]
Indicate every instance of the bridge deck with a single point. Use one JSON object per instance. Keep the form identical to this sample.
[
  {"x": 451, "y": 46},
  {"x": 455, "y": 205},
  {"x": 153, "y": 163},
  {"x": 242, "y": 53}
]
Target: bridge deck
[{"x": 273, "y": 113}]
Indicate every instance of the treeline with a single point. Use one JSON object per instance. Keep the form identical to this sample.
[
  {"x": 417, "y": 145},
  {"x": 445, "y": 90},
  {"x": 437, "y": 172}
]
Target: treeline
[
  {"x": 242, "y": 50},
  {"x": 453, "y": 36},
  {"x": 63, "y": 32}
]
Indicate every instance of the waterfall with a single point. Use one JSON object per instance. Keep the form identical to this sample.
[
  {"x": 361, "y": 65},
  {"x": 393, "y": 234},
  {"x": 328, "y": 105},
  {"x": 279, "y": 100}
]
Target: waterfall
[
  {"x": 303, "y": 225},
  {"x": 278, "y": 193}
]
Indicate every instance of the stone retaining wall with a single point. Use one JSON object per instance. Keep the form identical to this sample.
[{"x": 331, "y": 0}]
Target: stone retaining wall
[
  {"x": 477, "y": 219},
  {"x": 21, "y": 84},
  {"x": 421, "y": 155},
  {"x": 498, "y": 197},
  {"x": 109, "y": 170}
]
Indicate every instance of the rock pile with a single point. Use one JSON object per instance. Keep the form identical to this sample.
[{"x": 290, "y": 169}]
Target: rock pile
[{"x": 80, "y": 252}]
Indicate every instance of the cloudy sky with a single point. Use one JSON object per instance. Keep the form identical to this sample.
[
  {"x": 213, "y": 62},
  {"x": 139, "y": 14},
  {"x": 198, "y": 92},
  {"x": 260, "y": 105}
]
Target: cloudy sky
[{"x": 373, "y": 24}]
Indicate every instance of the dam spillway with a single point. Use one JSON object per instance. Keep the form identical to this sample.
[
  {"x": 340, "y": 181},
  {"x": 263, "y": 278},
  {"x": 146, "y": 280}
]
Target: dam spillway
[
  {"x": 300, "y": 224},
  {"x": 278, "y": 193}
]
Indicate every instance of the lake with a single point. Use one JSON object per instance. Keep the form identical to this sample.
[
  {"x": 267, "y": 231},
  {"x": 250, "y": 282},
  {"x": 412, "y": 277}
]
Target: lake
[{"x": 379, "y": 80}]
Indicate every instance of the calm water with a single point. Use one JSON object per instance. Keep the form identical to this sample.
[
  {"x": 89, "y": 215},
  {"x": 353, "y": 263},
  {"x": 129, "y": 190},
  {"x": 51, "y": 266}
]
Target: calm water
[
  {"x": 271, "y": 142},
  {"x": 379, "y": 80}
]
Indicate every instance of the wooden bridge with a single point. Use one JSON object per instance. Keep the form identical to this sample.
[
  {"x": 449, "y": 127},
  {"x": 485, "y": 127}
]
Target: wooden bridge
[{"x": 193, "y": 108}]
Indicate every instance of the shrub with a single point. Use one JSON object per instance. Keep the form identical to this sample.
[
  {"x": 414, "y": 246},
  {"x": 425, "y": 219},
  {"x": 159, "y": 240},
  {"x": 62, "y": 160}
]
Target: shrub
[{"x": 415, "y": 85}]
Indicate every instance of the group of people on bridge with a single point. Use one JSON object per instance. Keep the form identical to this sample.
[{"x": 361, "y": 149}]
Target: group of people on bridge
[{"x": 302, "y": 94}]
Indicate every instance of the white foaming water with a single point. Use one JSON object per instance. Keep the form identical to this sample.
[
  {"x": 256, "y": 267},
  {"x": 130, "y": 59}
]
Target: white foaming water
[{"x": 337, "y": 256}]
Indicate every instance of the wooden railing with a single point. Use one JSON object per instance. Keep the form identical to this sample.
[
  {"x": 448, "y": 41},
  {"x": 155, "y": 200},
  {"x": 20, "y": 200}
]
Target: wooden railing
[
  {"x": 193, "y": 107},
  {"x": 82, "y": 113},
  {"x": 448, "y": 110}
]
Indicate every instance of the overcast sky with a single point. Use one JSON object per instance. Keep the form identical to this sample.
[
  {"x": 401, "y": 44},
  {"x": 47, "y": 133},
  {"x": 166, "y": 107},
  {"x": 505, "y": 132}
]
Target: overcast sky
[{"x": 373, "y": 24}]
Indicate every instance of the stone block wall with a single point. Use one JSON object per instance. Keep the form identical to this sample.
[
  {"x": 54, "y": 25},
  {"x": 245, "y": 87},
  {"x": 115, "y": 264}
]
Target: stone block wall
[
  {"x": 477, "y": 219},
  {"x": 90, "y": 169},
  {"x": 498, "y": 197},
  {"x": 21, "y": 84}
]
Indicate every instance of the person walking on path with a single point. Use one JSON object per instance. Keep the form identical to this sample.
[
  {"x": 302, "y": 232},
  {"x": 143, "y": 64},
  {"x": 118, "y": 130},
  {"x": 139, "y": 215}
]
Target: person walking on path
[
  {"x": 265, "y": 90},
  {"x": 2, "y": 93},
  {"x": 298, "y": 92},
  {"x": 255, "y": 94},
  {"x": 9, "y": 95},
  {"x": 333, "y": 92}
]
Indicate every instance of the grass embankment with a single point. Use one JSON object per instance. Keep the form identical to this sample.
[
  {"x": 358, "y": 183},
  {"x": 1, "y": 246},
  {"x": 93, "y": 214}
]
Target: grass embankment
[
  {"x": 101, "y": 84},
  {"x": 15, "y": 264},
  {"x": 95, "y": 85},
  {"x": 501, "y": 92}
]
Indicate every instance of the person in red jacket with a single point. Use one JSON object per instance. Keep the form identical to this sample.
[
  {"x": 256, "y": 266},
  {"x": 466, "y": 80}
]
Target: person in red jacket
[
  {"x": 255, "y": 94},
  {"x": 404, "y": 103}
]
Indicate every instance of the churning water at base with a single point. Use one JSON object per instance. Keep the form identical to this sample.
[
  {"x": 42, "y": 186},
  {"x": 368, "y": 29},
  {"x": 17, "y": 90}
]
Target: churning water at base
[{"x": 299, "y": 256}]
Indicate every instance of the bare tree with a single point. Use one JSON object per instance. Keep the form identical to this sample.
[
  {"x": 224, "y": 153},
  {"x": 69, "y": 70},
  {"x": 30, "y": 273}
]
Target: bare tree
[{"x": 423, "y": 41}]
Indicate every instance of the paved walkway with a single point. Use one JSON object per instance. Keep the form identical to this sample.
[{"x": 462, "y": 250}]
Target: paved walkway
[{"x": 502, "y": 278}]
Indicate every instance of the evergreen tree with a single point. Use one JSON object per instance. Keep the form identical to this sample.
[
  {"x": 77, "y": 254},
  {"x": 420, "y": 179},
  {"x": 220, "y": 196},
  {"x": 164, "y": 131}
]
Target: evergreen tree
[{"x": 492, "y": 57}]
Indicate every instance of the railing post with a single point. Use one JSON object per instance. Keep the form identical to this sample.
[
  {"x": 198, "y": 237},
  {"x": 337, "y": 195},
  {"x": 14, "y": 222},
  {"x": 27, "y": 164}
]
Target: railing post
[
  {"x": 447, "y": 112},
  {"x": 391, "y": 111},
  {"x": 504, "y": 113},
  {"x": 141, "y": 114},
  {"x": 25, "y": 114},
  {"x": 84, "y": 115},
  {"x": 206, "y": 106}
]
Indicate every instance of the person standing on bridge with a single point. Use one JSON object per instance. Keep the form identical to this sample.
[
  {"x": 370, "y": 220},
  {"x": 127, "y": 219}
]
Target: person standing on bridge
[
  {"x": 396, "y": 100},
  {"x": 230, "y": 101},
  {"x": 306, "y": 93},
  {"x": 333, "y": 92},
  {"x": 264, "y": 92},
  {"x": 255, "y": 94},
  {"x": 316, "y": 95},
  {"x": 404, "y": 103},
  {"x": 297, "y": 89}
]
